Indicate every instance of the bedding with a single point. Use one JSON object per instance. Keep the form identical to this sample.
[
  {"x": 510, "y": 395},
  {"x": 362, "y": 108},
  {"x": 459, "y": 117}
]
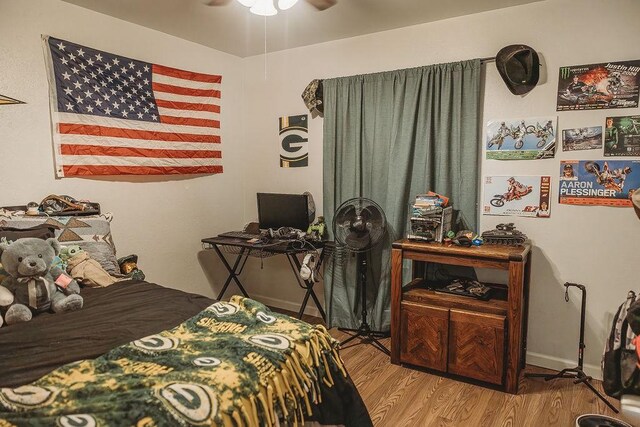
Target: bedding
[
  {"x": 231, "y": 363},
  {"x": 91, "y": 232}
]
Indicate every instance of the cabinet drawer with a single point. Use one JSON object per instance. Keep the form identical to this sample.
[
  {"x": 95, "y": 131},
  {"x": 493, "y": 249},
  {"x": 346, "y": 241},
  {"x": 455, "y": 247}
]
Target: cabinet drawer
[
  {"x": 476, "y": 345},
  {"x": 424, "y": 331}
]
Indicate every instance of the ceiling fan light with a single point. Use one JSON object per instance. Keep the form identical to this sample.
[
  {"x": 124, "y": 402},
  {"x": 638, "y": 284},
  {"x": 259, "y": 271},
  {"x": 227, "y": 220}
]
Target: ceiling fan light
[
  {"x": 286, "y": 4},
  {"x": 264, "y": 8},
  {"x": 247, "y": 3}
]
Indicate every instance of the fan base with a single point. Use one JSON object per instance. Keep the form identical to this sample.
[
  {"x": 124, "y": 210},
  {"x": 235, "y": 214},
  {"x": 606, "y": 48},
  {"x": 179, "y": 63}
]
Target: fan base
[{"x": 367, "y": 336}]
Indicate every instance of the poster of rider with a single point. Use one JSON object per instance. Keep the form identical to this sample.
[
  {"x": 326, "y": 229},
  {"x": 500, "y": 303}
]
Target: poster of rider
[
  {"x": 599, "y": 86},
  {"x": 598, "y": 182},
  {"x": 521, "y": 139},
  {"x": 527, "y": 196},
  {"x": 589, "y": 138},
  {"x": 622, "y": 136}
]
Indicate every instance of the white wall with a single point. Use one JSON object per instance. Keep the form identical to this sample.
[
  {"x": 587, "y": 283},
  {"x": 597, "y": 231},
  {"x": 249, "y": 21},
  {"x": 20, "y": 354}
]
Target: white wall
[
  {"x": 160, "y": 219},
  {"x": 596, "y": 246}
]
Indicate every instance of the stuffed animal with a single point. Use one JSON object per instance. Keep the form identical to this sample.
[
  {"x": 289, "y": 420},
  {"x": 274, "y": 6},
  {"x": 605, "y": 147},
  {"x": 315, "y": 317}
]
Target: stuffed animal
[
  {"x": 33, "y": 284},
  {"x": 66, "y": 252},
  {"x": 86, "y": 270}
]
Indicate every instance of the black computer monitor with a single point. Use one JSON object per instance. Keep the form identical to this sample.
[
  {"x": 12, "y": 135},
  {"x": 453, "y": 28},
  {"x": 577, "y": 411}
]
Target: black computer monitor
[{"x": 283, "y": 210}]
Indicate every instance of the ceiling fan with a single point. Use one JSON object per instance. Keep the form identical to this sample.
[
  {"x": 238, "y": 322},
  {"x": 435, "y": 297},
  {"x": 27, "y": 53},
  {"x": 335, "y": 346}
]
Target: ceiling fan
[{"x": 282, "y": 4}]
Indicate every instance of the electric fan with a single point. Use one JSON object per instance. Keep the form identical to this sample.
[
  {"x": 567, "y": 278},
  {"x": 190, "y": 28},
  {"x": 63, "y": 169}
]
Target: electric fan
[{"x": 359, "y": 224}]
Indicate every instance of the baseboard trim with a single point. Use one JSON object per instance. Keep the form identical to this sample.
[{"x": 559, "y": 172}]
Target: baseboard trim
[
  {"x": 557, "y": 364},
  {"x": 288, "y": 305}
]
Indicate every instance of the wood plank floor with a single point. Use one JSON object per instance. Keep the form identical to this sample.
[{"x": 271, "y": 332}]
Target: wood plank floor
[{"x": 399, "y": 396}]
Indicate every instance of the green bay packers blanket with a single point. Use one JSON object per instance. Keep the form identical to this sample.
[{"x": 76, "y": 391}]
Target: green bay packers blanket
[{"x": 234, "y": 364}]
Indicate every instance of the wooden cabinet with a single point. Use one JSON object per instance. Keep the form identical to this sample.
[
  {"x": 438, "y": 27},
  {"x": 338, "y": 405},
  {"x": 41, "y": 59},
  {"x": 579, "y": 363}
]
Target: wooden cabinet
[
  {"x": 424, "y": 330},
  {"x": 482, "y": 340}
]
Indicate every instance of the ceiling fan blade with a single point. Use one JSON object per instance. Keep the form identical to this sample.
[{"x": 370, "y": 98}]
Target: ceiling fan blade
[
  {"x": 216, "y": 2},
  {"x": 322, "y": 4}
]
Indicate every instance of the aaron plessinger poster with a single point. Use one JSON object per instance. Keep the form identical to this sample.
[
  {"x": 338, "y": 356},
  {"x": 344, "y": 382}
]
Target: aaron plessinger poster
[
  {"x": 598, "y": 182},
  {"x": 294, "y": 149},
  {"x": 598, "y": 86}
]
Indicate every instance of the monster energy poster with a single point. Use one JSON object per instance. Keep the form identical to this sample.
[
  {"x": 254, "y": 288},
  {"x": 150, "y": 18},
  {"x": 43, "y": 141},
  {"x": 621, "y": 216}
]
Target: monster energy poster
[
  {"x": 527, "y": 196},
  {"x": 294, "y": 151},
  {"x": 598, "y": 182},
  {"x": 622, "y": 136},
  {"x": 521, "y": 139},
  {"x": 599, "y": 86}
]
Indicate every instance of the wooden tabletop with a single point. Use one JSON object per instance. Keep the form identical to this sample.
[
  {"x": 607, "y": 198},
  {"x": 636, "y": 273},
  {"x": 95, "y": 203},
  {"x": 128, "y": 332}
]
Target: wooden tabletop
[{"x": 498, "y": 252}]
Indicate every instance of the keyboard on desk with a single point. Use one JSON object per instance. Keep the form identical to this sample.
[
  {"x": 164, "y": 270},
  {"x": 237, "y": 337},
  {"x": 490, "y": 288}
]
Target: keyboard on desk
[{"x": 239, "y": 235}]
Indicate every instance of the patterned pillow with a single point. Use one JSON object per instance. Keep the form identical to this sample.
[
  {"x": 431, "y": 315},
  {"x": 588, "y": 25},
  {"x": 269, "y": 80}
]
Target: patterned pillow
[{"x": 91, "y": 232}]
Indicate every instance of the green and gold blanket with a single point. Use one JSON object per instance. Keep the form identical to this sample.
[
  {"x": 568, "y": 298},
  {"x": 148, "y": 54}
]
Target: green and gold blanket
[{"x": 234, "y": 364}]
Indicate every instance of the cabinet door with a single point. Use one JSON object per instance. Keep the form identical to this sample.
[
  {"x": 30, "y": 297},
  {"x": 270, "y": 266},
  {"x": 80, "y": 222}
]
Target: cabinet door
[
  {"x": 476, "y": 345},
  {"x": 423, "y": 336}
]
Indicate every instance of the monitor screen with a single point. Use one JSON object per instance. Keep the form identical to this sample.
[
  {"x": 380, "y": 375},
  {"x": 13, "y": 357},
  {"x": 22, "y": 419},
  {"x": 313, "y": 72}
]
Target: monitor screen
[{"x": 283, "y": 210}]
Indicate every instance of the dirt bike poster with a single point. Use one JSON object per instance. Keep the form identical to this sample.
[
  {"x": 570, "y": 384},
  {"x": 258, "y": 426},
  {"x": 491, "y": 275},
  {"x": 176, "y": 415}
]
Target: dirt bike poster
[
  {"x": 598, "y": 182},
  {"x": 521, "y": 139},
  {"x": 527, "y": 196},
  {"x": 599, "y": 86},
  {"x": 589, "y": 138},
  {"x": 622, "y": 136}
]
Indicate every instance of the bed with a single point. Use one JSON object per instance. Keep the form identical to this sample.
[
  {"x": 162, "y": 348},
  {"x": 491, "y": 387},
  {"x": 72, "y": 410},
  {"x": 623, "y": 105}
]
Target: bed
[{"x": 51, "y": 355}]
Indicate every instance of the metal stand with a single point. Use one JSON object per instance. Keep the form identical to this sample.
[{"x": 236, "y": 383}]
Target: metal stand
[
  {"x": 576, "y": 373},
  {"x": 364, "y": 332}
]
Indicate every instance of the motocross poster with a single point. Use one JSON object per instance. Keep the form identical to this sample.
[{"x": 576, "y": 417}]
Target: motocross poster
[
  {"x": 589, "y": 138},
  {"x": 521, "y": 139},
  {"x": 527, "y": 196},
  {"x": 598, "y": 182},
  {"x": 599, "y": 86},
  {"x": 622, "y": 136}
]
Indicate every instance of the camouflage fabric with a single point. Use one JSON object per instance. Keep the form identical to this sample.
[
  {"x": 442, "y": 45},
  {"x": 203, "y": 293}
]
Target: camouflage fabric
[{"x": 234, "y": 364}]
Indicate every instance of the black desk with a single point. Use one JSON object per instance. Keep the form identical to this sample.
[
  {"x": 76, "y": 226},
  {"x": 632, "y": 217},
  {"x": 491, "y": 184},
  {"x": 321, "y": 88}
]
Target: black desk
[{"x": 246, "y": 249}]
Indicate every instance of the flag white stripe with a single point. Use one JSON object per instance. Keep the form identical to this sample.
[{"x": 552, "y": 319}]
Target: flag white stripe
[
  {"x": 136, "y": 143},
  {"x": 188, "y": 113},
  {"x": 86, "y": 119},
  {"x": 165, "y": 96},
  {"x": 135, "y": 161},
  {"x": 191, "y": 84}
]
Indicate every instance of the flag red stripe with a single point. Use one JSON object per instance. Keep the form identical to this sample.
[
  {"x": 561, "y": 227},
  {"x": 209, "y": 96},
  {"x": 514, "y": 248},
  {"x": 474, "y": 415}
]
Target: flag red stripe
[
  {"x": 188, "y": 106},
  {"x": 188, "y": 121},
  {"x": 76, "y": 129},
  {"x": 187, "y": 75},
  {"x": 85, "y": 170},
  {"x": 163, "y": 87},
  {"x": 98, "y": 150}
]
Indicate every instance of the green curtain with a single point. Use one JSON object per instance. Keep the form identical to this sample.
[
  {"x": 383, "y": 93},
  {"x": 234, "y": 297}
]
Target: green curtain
[{"x": 389, "y": 136}]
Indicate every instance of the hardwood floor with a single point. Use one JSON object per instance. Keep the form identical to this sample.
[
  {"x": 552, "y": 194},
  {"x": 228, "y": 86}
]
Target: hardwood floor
[{"x": 401, "y": 397}]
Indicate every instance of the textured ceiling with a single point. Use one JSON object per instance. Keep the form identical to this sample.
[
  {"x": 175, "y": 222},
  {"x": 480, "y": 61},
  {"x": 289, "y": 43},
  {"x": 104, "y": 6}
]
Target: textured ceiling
[{"x": 231, "y": 28}]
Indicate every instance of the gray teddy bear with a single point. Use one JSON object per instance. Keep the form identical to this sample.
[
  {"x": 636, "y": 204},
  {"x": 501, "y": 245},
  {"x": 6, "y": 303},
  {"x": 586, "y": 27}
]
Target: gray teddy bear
[{"x": 34, "y": 285}]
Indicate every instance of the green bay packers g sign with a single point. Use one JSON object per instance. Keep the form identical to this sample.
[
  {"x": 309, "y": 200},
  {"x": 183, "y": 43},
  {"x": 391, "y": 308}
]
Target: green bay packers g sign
[{"x": 294, "y": 149}]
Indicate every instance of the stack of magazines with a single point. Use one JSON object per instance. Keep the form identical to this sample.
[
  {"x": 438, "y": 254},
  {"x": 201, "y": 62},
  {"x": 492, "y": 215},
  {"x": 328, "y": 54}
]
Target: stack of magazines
[{"x": 427, "y": 217}]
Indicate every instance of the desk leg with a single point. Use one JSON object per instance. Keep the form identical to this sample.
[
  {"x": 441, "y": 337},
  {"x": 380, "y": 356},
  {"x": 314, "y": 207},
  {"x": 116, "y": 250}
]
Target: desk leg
[
  {"x": 295, "y": 266},
  {"x": 232, "y": 271}
]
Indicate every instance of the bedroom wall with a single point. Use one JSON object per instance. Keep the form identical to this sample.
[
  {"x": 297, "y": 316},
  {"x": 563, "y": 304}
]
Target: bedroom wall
[
  {"x": 160, "y": 219},
  {"x": 597, "y": 246}
]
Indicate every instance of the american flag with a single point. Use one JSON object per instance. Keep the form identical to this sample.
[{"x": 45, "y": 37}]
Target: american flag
[{"x": 114, "y": 115}]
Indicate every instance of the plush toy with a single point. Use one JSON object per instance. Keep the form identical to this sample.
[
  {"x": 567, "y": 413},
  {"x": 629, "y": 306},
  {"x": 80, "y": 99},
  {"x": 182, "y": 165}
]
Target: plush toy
[
  {"x": 66, "y": 252},
  {"x": 84, "y": 269},
  {"x": 34, "y": 286}
]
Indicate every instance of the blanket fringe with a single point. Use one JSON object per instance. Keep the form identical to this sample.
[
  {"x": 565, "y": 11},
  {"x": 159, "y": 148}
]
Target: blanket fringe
[{"x": 288, "y": 389}]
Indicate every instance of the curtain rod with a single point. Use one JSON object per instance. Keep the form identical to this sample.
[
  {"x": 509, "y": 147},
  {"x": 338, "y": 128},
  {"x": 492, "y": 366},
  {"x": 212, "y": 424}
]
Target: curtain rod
[{"x": 488, "y": 59}]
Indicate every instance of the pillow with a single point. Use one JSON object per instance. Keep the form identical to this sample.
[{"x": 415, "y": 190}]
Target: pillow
[
  {"x": 91, "y": 232},
  {"x": 41, "y": 231}
]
